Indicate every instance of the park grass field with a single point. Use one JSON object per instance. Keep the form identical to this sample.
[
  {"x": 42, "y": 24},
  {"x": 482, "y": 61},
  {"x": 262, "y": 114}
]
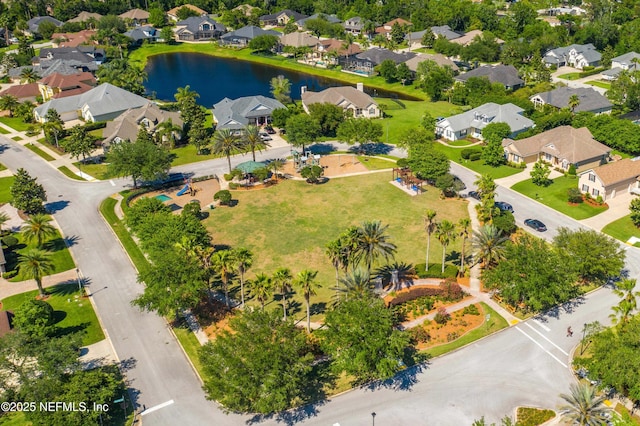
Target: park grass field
[{"x": 288, "y": 225}]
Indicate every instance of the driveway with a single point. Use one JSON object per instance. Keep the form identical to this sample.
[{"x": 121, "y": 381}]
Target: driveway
[{"x": 579, "y": 83}]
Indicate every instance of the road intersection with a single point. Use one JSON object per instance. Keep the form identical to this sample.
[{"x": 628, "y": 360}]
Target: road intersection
[{"x": 527, "y": 364}]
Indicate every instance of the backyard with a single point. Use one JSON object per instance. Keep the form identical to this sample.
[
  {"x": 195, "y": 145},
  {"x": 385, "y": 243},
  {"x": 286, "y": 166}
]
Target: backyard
[
  {"x": 289, "y": 224},
  {"x": 73, "y": 312},
  {"x": 556, "y": 197}
]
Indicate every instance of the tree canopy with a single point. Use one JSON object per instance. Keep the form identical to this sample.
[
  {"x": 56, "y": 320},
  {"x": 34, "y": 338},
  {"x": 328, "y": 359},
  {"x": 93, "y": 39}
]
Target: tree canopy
[{"x": 27, "y": 194}]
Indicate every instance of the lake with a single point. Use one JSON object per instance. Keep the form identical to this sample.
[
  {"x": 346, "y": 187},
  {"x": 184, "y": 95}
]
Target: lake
[{"x": 216, "y": 78}]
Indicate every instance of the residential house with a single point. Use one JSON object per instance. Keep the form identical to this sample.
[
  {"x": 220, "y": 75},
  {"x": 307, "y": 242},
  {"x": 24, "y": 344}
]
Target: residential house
[
  {"x": 102, "y": 103},
  {"x": 243, "y": 36},
  {"x": 85, "y": 55},
  {"x": 333, "y": 52},
  {"x": 439, "y": 59},
  {"x": 246, "y": 9},
  {"x": 353, "y": 100},
  {"x": 86, "y": 16},
  {"x": 471, "y": 123},
  {"x": 22, "y": 92},
  {"x": 196, "y": 28},
  {"x": 354, "y": 25},
  {"x": 468, "y": 38},
  {"x": 140, "y": 34},
  {"x": 33, "y": 24},
  {"x": 561, "y": 147},
  {"x": 609, "y": 180},
  {"x": 236, "y": 114},
  {"x": 72, "y": 39},
  {"x": 385, "y": 29},
  {"x": 332, "y": 19},
  {"x": 173, "y": 13},
  {"x": 507, "y": 75},
  {"x": 135, "y": 16},
  {"x": 127, "y": 125},
  {"x": 633, "y": 116},
  {"x": 280, "y": 19},
  {"x": 364, "y": 62},
  {"x": 590, "y": 100},
  {"x": 57, "y": 85},
  {"x": 46, "y": 67},
  {"x": 627, "y": 62},
  {"x": 576, "y": 55},
  {"x": 299, "y": 39},
  {"x": 446, "y": 32}
]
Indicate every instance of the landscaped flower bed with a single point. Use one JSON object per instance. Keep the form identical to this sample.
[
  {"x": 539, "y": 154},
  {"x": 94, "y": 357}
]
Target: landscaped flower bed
[{"x": 447, "y": 327}]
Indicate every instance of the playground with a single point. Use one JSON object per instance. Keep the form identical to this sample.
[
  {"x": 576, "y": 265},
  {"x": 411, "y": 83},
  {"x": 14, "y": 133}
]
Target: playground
[
  {"x": 179, "y": 196},
  {"x": 333, "y": 165}
]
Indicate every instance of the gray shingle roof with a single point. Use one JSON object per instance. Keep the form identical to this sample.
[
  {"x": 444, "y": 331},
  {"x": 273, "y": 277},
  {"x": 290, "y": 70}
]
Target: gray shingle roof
[
  {"x": 193, "y": 24},
  {"x": 439, "y": 59},
  {"x": 446, "y": 31},
  {"x": 559, "y": 54},
  {"x": 249, "y": 32},
  {"x": 291, "y": 13},
  {"x": 488, "y": 113},
  {"x": 142, "y": 33},
  {"x": 332, "y": 19},
  {"x": 355, "y": 23},
  {"x": 504, "y": 74},
  {"x": 34, "y": 23},
  {"x": 45, "y": 68},
  {"x": 590, "y": 100},
  {"x": 235, "y": 114},
  {"x": 377, "y": 55}
]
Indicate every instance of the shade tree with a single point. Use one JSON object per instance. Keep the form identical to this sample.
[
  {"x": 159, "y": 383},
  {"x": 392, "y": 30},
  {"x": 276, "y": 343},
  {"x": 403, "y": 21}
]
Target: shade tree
[
  {"x": 27, "y": 194},
  {"x": 360, "y": 131}
]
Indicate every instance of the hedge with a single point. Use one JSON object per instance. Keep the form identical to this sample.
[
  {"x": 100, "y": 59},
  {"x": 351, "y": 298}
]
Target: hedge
[
  {"x": 468, "y": 152},
  {"x": 475, "y": 156},
  {"x": 590, "y": 72},
  {"x": 435, "y": 271}
]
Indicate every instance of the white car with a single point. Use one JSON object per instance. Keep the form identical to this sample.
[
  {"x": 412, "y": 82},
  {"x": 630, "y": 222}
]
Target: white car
[{"x": 265, "y": 136}]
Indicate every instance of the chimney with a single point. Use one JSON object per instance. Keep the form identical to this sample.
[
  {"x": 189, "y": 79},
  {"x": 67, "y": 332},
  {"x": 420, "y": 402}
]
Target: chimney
[
  {"x": 303, "y": 90},
  {"x": 360, "y": 87}
]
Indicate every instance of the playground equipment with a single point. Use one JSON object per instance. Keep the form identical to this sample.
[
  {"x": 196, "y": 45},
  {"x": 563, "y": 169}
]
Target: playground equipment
[
  {"x": 188, "y": 186},
  {"x": 306, "y": 158},
  {"x": 406, "y": 178},
  {"x": 184, "y": 189}
]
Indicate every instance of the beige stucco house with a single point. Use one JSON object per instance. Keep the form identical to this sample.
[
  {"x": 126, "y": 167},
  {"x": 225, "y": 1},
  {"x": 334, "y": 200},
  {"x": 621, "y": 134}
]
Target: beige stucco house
[
  {"x": 351, "y": 99},
  {"x": 611, "y": 179}
]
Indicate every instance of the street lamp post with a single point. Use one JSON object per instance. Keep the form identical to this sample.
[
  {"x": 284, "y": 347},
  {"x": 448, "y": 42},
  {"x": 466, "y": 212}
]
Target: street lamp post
[
  {"x": 373, "y": 419},
  {"x": 584, "y": 332}
]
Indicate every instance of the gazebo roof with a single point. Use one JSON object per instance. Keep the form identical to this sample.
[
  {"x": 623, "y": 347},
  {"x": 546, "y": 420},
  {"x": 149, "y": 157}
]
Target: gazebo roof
[{"x": 250, "y": 166}]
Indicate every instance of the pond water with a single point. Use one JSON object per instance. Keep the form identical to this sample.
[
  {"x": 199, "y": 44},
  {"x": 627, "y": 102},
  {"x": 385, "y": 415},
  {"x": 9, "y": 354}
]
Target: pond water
[{"x": 216, "y": 78}]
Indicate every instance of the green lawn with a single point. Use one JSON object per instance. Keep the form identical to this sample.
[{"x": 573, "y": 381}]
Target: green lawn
[
  {"x": 40, "y": 152},
  {"x": 141, "y": 54},
  {"x": 98, "y": 171},
  {"x": 289, "y": 224},
  {"x": 16, "y": 138},
  {"x": 5, "y": 189},
  {"x": 2, "y": 167},
  {"x": 570, "y": 76},
  {"x": 495, "y": 323},
  {"x": 15, "y": 123},
  {"x": 68, "y": 173},
  {"x": 602, "y": 84},
  {"x": 459, "y": 143},
  {"x": 60, "y": 255},
  {"x": 373, "y": 163},
  {"x": 188, "y": 154},
  {"x": 477, "y": 166},
  {"x": 555, "y": 196},
  {"x": 190, "y": 344},
  {"x": 404, "y": 115},
  {"x": 73, "y": 312},
  {"x": 620, "y": 153},
  {"x": 3, "y": 131},
  {"x": 622, "y": 229}
]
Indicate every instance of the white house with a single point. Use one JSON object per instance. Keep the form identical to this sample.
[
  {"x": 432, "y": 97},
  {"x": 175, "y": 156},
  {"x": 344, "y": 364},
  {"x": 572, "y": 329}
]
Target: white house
[
  {"x": 575, "y": 55},
  {"x": 471, "y": 123}
]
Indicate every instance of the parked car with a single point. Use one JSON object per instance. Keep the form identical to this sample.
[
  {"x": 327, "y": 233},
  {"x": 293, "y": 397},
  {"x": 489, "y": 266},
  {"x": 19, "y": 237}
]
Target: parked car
[
  {"x": 504, "y": 206},
  {"x": 269, "y": 129},
  {"x": 265, "y": 136},
  {"x": 535, "y": 224},
  {"x": 474, "y": 194}
]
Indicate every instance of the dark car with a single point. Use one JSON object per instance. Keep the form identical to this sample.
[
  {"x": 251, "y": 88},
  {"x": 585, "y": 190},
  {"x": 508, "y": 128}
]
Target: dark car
[
  {"x": 269, "y": 130},
  {"x": 535, "y": 224},
  {"x": 504, "y": 207},
  {"x": 474, "y": 194}
]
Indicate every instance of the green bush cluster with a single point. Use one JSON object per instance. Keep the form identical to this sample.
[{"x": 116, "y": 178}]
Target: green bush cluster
[
  {"x": 466, "y": 153},
  {"x": 417, "y": 307},
  {"x": 574, "y": 195},
  {"x": 442, "y": 316},
  {"x": 589, "y": 72},
  {"x": 528, "y": 416},
  {"x": 223, "y": 196},
  {"x": 471, "y": 310},
  {"x": 10, "y": 241},
  {"x": 414, "y": 294},
  {"x": 419, "y": 335},
  {"x": 475, "y": 156}
]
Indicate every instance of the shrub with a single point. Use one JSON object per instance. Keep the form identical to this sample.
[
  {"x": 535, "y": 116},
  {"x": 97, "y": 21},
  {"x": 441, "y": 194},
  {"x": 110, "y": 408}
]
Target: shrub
[
  {"x": 587, "y": 73},
  {"x": 468, "y": 152},
  {"x": 402, "y": 163},
  {"x": 475, "y": 156},
  {"x": 192, "y": 209},
  {"x": 234, "y": 185},
  {"x": 505, "y": 222},
  {"x": 35, "y": 318},
  {"x": 223, "y": 196},
  {"x": 527, "y": 416},
  {"x": 451, "y": 290},
  {"x": 442, "y": 316},
  {"x": 10, "y": 241},
  {"x": 471, "y": 310},
  {"x": 572, "y": 170},
  {"x": 599, "y": 199},
  {"x": 419, "y": 335},
  {"x": 228, "y": 177},
  {"x": 574, "y": 195},
  {"x": 452, "y": 336},
  {"x": 415, "y": 293},
  {"x": 435, "y": 271}
]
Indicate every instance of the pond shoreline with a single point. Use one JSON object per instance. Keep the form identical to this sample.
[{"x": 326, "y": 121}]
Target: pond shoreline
[{"x": 141, "y": 55}]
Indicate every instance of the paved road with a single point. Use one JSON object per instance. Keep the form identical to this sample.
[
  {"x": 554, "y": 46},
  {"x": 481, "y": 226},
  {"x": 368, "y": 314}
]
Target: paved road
[{"x": 524, "y": 365}]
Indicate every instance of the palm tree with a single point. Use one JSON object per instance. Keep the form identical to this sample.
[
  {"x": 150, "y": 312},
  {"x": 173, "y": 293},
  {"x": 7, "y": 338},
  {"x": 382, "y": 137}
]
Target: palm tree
[
  {"x": 36, "y": 264},
  {"x": 463, "y": 227},
  {"x": 4, "y": 218},
  {"x": 166, "y": 134},
  {"x": 488, "y": 243},
  {"x": 397, "y": 275},
  {"x": 52, "y": 128},
  {"x": 253, "y": 141},
  {"x": 9, "y": 103},
  {"x": 38, "y": 228},
  {"x": 574, "y": 101},
  {"x": 281, "y": 89},
  {"x": 261, "y": 288},
  {"x": 184, "y": 93},
  {"x": 225, "y": 142},
  {"x": 429, "y": 227},
  {"x": 337, "y": 255},
  {"x": 305, "y": 280},
  {"x": 373, "y": 243},
  {"x": 584, "y": 407},
  {"x": 623, "y": 311},
  {"x": 224, "y": 264},
  {"x": 275, "y": 166},
  {"x": 445, "y": 232},
  {"x": 282, "y": 283},
  {"x": 244, "y": 259},
  {"x": 357, "y": 285},
  {"x": 28, "y": 75}
]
